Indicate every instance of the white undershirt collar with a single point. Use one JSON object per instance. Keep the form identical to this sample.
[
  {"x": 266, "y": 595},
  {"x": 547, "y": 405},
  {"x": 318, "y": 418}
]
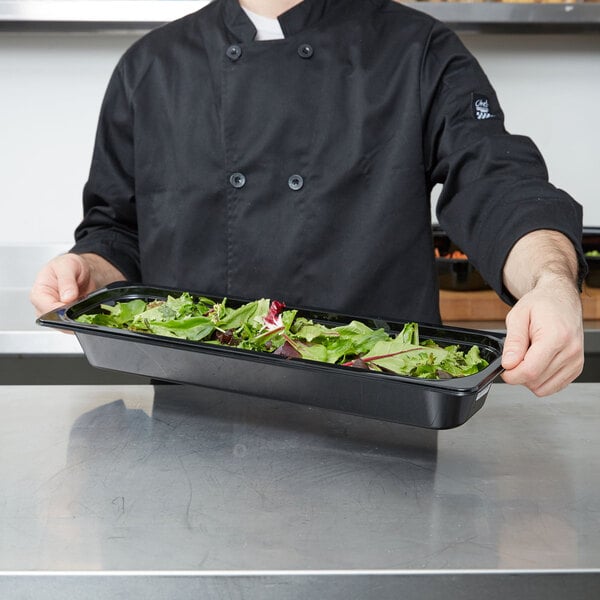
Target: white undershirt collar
[{"x": 266, "y": 28}]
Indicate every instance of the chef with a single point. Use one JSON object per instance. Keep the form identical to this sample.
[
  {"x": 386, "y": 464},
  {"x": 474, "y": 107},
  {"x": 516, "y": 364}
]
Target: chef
[{"x": 285, "y": 149}]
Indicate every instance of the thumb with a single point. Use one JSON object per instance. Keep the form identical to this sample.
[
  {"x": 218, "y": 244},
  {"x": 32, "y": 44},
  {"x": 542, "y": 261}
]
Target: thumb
[
  {"x": 68, "y": 274},
  {"x": 517, "y": 342}
]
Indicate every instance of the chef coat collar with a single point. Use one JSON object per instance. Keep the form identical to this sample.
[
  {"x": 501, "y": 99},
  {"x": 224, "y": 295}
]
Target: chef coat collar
[{"x": 294, "y": 20}]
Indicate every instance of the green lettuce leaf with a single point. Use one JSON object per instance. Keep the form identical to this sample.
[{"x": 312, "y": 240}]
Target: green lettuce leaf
[
  {"x": 354, "y": 343},
  {"x": 120, "y": 315}
]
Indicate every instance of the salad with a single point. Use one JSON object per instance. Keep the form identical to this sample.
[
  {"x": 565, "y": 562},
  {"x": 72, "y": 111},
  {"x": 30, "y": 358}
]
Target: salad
[{"x": 267, "y": 326}]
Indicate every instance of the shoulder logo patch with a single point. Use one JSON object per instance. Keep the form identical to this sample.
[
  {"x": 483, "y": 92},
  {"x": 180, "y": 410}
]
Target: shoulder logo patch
[{"x": 481, "y": 107}]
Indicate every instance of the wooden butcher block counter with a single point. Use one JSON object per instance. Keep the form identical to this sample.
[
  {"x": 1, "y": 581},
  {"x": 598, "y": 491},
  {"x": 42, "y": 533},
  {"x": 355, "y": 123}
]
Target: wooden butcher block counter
[{"x": 484, "y": 305}]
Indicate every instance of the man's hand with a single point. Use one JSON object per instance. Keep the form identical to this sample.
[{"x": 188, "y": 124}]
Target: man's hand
[
  {"x": 544, "y": 343},
  {"x": 68, "y": 277}
]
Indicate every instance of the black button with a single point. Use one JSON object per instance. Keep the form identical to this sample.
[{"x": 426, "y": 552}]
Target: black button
[
  {"x": 237, "y": 180},
  {"x": 295, "y": 182},
  {"x": 305, "y": 50},
  {"x": 234, "y": 52}
]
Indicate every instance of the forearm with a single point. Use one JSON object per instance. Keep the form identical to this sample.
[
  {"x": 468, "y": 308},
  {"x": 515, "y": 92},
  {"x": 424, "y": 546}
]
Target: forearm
[{"x": 540, "y": 256}]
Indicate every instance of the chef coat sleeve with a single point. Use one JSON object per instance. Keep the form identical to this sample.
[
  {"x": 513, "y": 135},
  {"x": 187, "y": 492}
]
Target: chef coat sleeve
[
  {"x": 109, "y": 225},
  {"x": 495, "y": 185}
]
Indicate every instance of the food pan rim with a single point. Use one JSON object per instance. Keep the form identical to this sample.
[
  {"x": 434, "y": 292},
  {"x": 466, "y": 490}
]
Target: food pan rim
[{"x": 60, "y": 319}]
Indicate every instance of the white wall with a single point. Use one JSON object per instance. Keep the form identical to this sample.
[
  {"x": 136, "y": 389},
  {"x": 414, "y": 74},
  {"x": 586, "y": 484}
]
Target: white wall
[
  {"x": 51, "y": 86},
  {"x": 549, "y": 88}
]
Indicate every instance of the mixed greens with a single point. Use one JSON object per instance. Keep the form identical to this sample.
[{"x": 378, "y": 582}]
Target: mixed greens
[{"x": 266, "y": 326}]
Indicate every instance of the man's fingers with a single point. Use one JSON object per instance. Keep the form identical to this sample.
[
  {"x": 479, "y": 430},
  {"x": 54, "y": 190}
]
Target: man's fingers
[
  {"x": 44, "y": 298},
  {"x": 539, "y": 364},
  {"x": 547, "y": 368},
  {"x": 557, "y": 381},
  {"x": 67, "y": 273},
  {"x": 551, "y": 381},
  {"x": 61, "y": 281},
  {"x": 517, "y": 338}
]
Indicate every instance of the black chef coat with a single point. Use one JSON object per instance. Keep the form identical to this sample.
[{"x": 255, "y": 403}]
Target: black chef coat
[{"x": 301, "y": 169}]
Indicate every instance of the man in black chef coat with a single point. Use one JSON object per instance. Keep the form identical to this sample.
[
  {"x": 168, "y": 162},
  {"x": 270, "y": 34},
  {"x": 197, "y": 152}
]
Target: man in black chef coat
[{"x": 241, "y": 154}]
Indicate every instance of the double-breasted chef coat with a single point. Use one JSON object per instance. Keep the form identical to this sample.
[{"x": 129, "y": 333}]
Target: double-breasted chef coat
[{"x": 301, "y": 169}]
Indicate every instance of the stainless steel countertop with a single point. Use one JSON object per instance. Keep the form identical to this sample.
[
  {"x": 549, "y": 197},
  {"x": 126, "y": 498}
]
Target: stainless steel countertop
[{"x": 187, "y": 492}]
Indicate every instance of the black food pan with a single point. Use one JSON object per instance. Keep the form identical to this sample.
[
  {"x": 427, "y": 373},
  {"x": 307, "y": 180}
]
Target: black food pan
[
  {"x": 459, "y": 274},
  {"x": 590, "y": 243},
  {"x": 456, "y": 274},
  {"x": 433, "y": 404}
]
